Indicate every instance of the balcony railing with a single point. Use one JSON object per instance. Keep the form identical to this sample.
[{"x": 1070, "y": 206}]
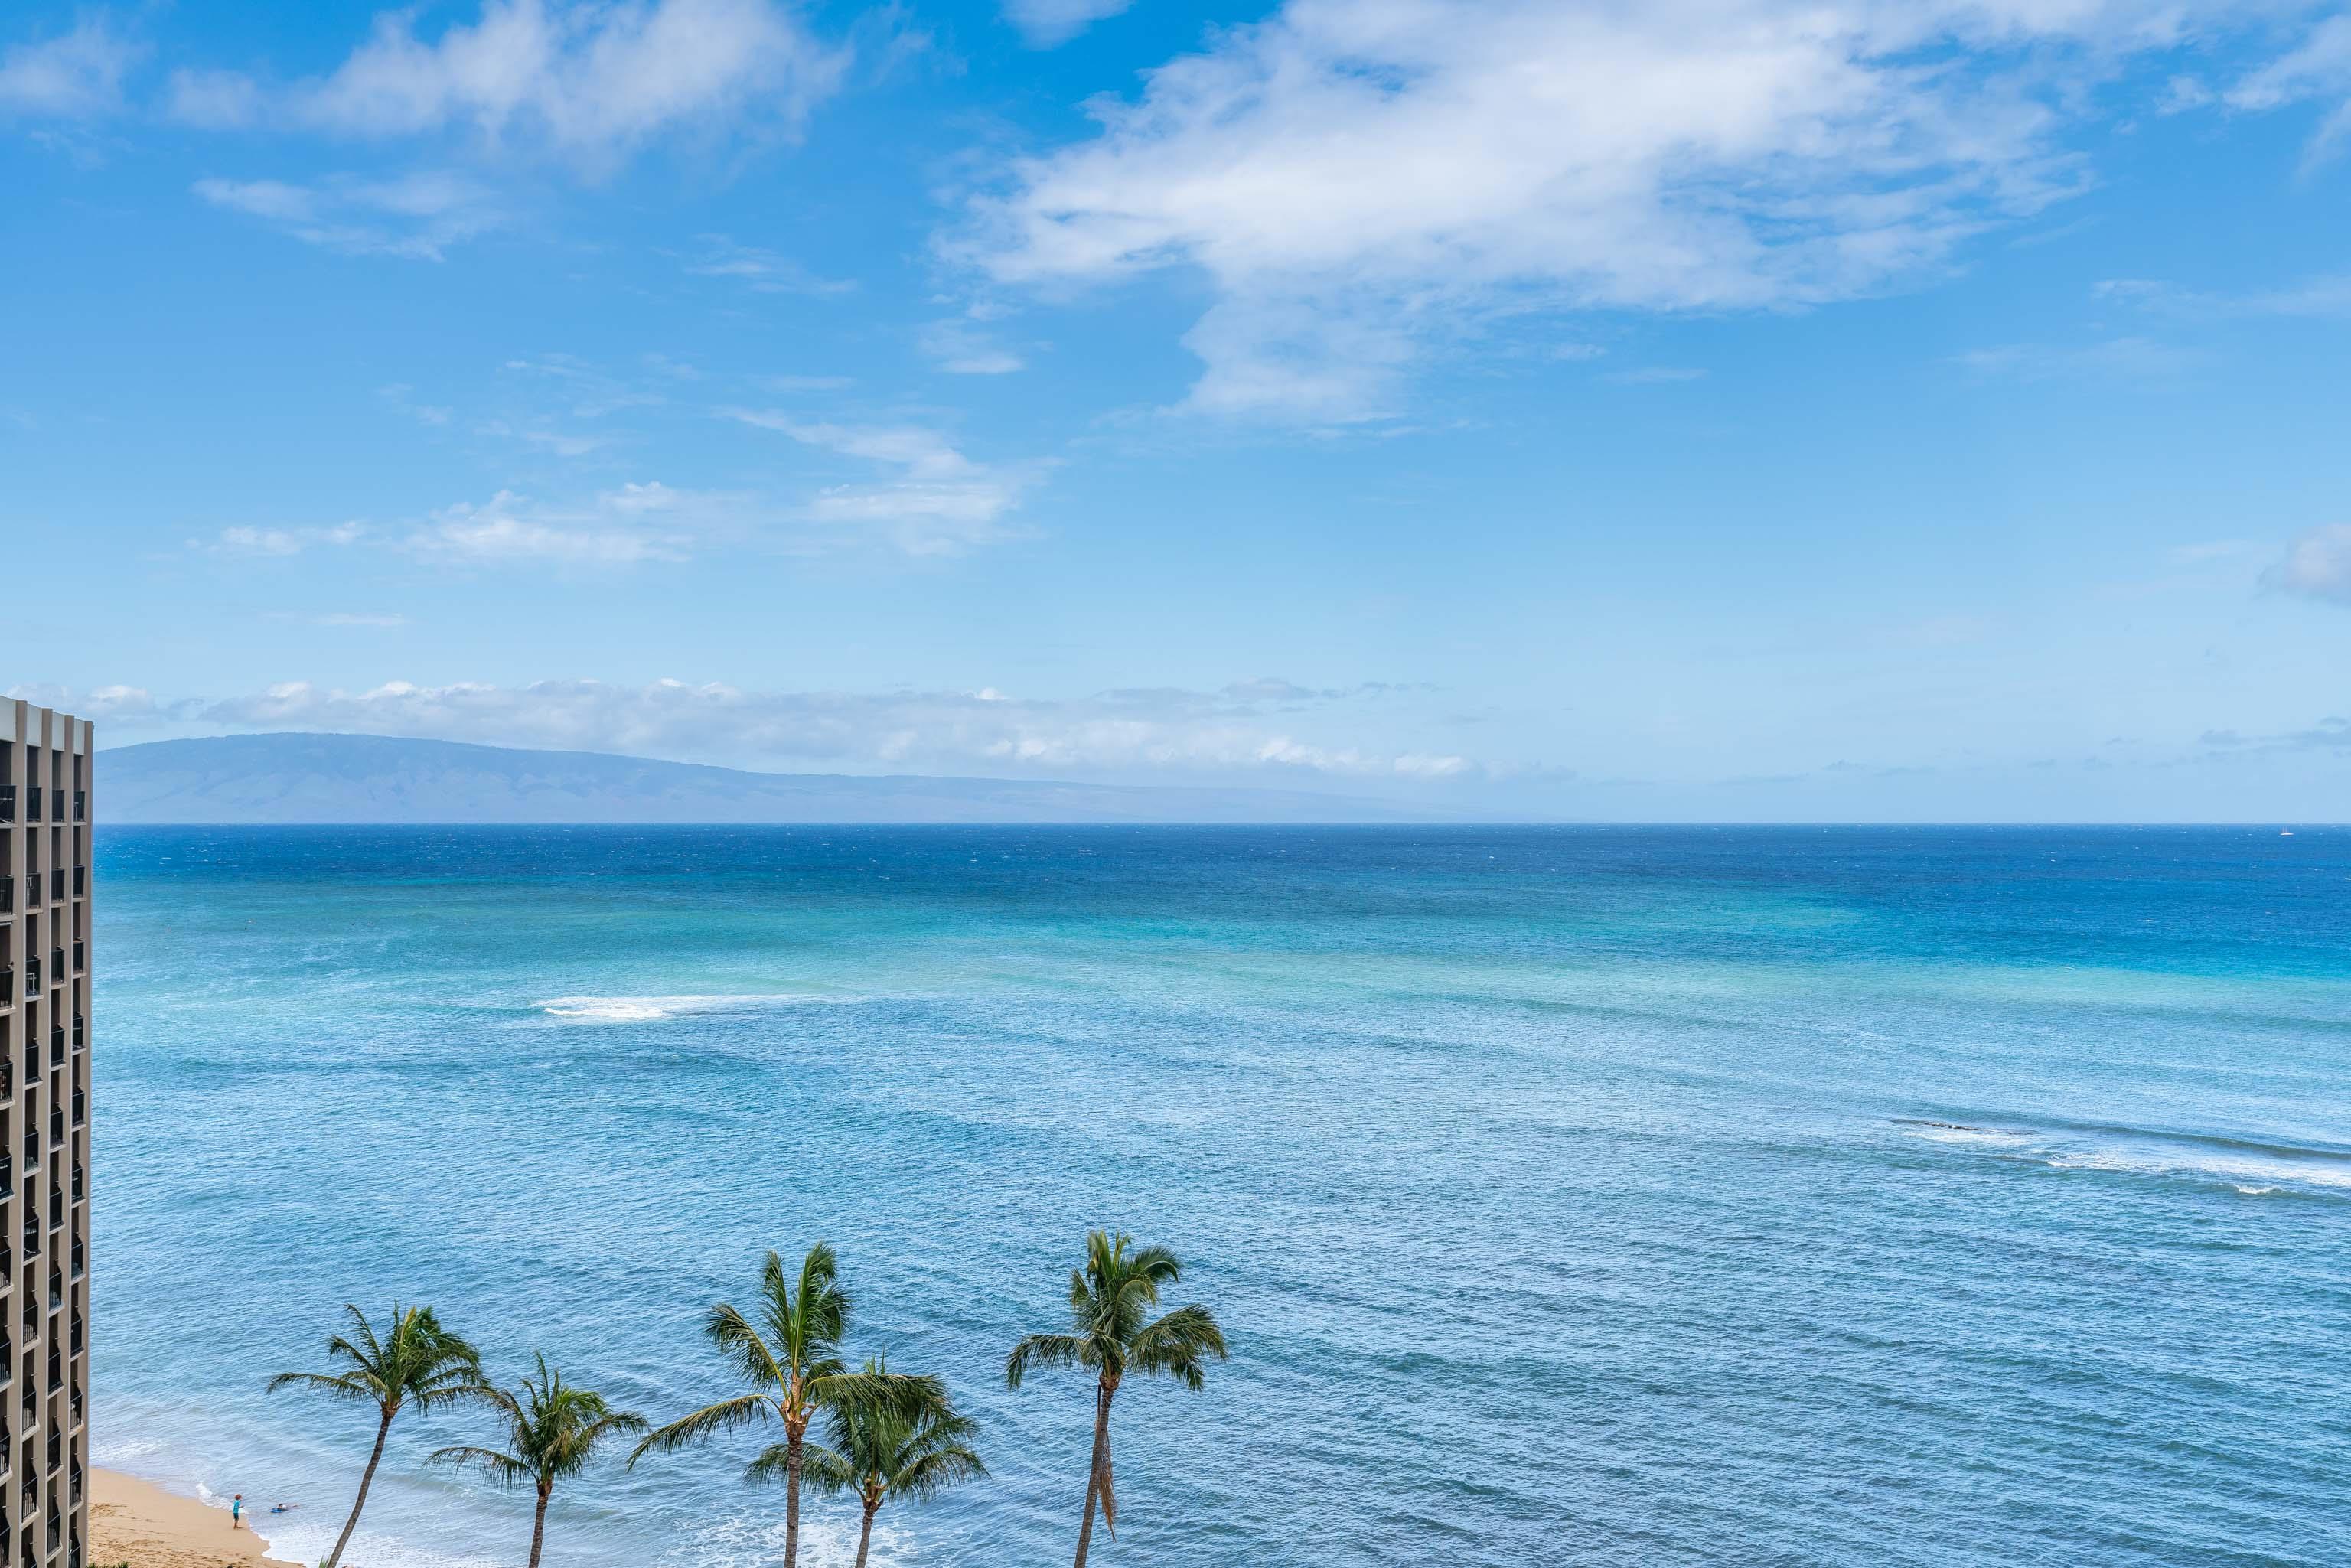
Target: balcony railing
[
  {"x": 32, "y": 1243},
  {"x": 81, "y": 805},
  {"x": 77, "y": 1334},
  {"x": 32, "y": 803},
  {"x": 32, "y": 976},
  {"x": 58, "y": 1125},
  {"x": 56, "y": 966},
  {"x": 57, "y": 882},
  {"x": 77, "y": 1271},
  {"x": 57, "y": 805},
  {"x": 81, "y": 1112},
  {"x": 78, "y": 1032},
  {"x": 77, "y": 1181},
  {"x": 32, "y": 1062},
  {"x": 81, "y": 880},
  {"x": 7, "y": 802},
  {"x": 8, "y": 896},
  {"x": 7, "y": 987},
  {"x": 81, "y": 956},
  {"x": 57, "y": 1042}
]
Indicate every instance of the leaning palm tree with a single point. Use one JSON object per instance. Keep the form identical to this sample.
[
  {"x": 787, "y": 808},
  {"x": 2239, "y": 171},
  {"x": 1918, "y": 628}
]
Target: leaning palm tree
[
  {"x": 552, "y": 1431},
  {"x": 418, "y": 1364},
  {"x": 880, "y": 1452},
  {"x": 791, "y": 1359},
  {"x": 1109, "y": 1299}
]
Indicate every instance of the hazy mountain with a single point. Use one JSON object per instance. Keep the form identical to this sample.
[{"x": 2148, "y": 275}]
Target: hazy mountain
[{"x": 258, "y": 778}]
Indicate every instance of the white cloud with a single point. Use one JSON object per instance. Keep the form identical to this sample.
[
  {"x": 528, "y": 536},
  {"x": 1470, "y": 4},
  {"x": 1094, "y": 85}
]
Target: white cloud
[
  {"x": 2317, "y": 565},
  {"x": 589, "y": 82},
  {"x": 2319, "y": 68},
  {"x": 620, "y": 528},
  {"x": 213, "y": 101},
  {"x": 77, "y": 74},
  {"x": 1158, "y": 731},
  {"x": 937, "y": 501},
  {"x": 1354, "y": 177},
  {"x": 280, "y": 541},
  {"x": 2130, "y": 359},
  {"x": 761, "y": 271},
  {"x": 963, "y": 349},
  {"x": 1045, "y": 23},
  {"x": 416, "y": 216}
]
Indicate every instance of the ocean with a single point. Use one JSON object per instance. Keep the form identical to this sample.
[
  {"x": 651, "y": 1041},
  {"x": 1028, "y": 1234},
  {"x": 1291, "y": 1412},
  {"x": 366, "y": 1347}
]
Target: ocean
[{"x": 1568, "y": 1195}]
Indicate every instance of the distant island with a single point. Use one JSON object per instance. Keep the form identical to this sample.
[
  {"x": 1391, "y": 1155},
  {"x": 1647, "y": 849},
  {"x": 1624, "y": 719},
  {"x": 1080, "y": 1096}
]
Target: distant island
[{"x": 254, "y": 779}]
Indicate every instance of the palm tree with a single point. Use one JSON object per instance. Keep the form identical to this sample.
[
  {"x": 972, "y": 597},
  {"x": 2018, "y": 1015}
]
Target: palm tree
[
  {"x": 418, "y": 1364},
  {"x": 879, "y": 1453},
  {"x": 791, "y": 1360},
  {"x": 1108, "y": 1301},
  {"x": 552, "y": 1431}
]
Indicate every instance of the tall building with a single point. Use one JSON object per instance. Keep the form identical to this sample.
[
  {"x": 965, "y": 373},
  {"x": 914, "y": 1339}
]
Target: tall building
[{"x": 44, "y": 766}]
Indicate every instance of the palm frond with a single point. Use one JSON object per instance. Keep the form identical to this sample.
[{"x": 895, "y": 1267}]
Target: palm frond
[
  {"x": 1176, "y": 1344},
  {"x": 1043, "y": 1350},
  {"x": 726, "y": 1415},
  {"x": 504, "y": 1468},
  {"x": 750, "y": 1355},
  {"x": 345, "y": 1387}
]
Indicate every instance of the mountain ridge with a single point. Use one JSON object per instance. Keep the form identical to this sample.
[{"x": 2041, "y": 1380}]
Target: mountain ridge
[{"x": 300, "y": 778}]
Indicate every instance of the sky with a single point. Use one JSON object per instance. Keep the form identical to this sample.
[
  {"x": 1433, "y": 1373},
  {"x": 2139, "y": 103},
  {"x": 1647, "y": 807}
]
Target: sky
[{"x": 1885, "y": 409}]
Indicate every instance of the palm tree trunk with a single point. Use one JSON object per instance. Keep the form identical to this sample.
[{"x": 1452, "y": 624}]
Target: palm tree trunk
[
  {"x": 539, "y": 1528},
  {"x": 791, "y": 1497},
  {"x": 1093, "y": 1473},
  {"x": 367, "y": 1477},
  {"x": 865, "y": 1536}
]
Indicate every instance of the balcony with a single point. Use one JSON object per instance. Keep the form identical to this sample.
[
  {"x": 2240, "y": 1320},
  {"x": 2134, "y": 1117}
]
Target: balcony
[
  {"x": 77, "y": 1181},
  {"x": 7, "y": 802},
  {"x": 57, "y": 805},
  {"x": 31, "y": 891},
  {"x": 32, "y": 803},
  {"x": 7, "y": 987},
  {"x": 58, "y": 1042},
  {"x": 77, "y": 1274},
  {"x": 80, "y": 1108},
  {"x": 76, "y": 1342},
  {"x": 8, "y": 896},
  {"x": 57, "y": 884},
  {"x": 58, "y": 1125},
  {"x": 81, "y": 881},
  {"x": 56, "y": 966},
  {"x": 32, "y": 976},
  {"x": 81, "y": 805},
  {"x": 31, "y": 1249},
  {"x": 32, "y": 1062},
  {"x": 78, "y": 1032},
  {"x": 57, "y": 1210},
  {"x": 81, "y": 956},
  {"x": 33, "y": 1150}
]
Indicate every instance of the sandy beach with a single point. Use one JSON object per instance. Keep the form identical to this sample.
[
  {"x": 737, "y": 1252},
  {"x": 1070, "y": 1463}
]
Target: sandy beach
[{"x": 136, "y": 1522}]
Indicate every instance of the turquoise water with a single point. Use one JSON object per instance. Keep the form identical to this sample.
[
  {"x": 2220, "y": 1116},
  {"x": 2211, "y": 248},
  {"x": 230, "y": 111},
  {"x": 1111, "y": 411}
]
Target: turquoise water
[{"x": 1569, "y": 1196}]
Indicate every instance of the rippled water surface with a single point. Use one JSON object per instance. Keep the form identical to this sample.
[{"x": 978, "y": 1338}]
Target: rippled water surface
[{"x": 1608, "y": 1196}]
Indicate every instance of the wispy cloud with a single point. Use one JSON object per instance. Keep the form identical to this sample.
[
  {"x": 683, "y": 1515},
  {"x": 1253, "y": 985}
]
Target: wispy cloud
[
  {"x": 76, "y": 75},
  {"x": 262, "y": 541},
  {"x": 2127, "y": 359},
  {"x": 2316, "y": 566},
  {"x": 1656, "y": 375},
  {"x": 634, "y": 524},
  {"x": 934, "y": 500},
  {"x": 417, "y": 216},
  {"x": 761, "y": 271},
  {"x": 1158, "y": 731},
  {"x": 2318, "y": 69},
  {"x": 588, "y": 84},
  {"x": 963, "y": 349},
  {"x": 1048, "y": 23}
]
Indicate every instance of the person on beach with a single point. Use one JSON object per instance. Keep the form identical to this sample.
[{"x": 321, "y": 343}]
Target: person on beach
[{"x": 236, "y": 1511}]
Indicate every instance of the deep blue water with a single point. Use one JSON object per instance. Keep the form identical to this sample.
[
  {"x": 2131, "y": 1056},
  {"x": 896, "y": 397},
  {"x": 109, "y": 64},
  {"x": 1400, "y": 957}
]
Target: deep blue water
[{"x": 1607, "y": 1196}]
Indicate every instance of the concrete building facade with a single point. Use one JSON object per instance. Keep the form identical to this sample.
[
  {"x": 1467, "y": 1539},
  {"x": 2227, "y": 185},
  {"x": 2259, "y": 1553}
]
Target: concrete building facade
[{"x": 45, "y": 899}]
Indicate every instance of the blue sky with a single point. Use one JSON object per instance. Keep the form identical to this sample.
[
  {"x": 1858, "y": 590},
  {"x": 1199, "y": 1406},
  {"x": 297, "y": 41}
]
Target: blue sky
[{"x": 1695, "y": 408}]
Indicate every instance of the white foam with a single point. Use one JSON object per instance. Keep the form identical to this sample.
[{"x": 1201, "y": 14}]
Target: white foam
[
  {"x": 311, "y": 1540},
  {"x": 122, "y": 1451},
  {"x": 826, "y": 1540},
  {"x": 650, "y": 1010}
]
